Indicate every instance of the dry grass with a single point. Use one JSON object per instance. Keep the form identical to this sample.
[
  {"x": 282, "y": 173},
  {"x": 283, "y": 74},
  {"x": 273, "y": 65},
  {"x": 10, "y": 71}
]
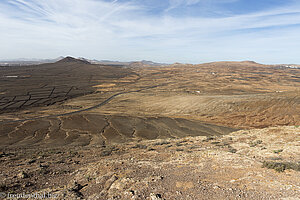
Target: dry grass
[{"x": 281, "y": 166}]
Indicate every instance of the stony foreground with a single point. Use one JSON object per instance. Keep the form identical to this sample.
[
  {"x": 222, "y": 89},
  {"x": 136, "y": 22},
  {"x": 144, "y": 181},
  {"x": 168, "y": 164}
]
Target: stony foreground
[{"x": 247, "y": 164}]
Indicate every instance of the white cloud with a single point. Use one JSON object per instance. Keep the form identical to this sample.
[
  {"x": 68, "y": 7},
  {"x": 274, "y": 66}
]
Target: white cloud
[
  {"x": 176, "y": 3},
  {"x": 123, "y": 31}
]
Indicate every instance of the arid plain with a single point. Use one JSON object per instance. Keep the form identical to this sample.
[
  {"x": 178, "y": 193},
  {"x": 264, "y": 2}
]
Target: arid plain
[{"x": 223, "y": 130}]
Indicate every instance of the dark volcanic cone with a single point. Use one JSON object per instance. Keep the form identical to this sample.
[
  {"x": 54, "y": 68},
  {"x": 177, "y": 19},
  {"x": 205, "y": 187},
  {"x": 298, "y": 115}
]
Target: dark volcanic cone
[{"x": 69, "y": 59}]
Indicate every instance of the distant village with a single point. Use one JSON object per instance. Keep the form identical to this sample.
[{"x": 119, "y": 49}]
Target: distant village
[{"x": 292, "y": 66}]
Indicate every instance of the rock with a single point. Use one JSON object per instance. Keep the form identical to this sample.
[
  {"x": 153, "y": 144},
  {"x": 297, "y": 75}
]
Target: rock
[
  {"x": 155, "y": 196},
  {"x": 216, "y": 187},
  {"x": 23, "y": 175},
  {"x": 132, "y": 192},
  {"x": 31, "y": 161},
  {"x": 109, "y": 182},
  {"x": 3, "y": 154},
  {"x": 28, "y": 184},
  {"x": 44, "y": 166},
  {"x": 154, "y": 178}
]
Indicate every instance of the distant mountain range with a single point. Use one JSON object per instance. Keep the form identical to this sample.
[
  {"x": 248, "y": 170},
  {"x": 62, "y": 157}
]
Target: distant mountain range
[
  {"x": 143, "y": 63},
  {"x": 24, "y": 61}
]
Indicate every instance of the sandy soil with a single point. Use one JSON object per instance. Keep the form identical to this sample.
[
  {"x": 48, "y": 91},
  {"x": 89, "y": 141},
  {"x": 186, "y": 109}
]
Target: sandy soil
[{"x": 238, "y": 111}]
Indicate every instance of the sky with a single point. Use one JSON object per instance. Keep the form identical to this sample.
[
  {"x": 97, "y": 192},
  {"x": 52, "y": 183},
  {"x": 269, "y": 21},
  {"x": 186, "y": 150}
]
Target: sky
[{"x": 168, "y": 31}]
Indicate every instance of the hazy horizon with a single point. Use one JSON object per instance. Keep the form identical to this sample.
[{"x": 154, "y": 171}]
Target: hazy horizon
[{"x": 127, "y": 61}]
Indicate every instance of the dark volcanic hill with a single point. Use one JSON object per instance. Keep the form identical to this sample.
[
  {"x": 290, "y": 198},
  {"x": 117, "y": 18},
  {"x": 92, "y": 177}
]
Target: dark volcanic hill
[{"x": 69, "y": 59}]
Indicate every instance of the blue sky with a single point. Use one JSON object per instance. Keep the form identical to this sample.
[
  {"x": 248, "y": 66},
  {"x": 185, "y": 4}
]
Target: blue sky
[{"x": 188, "y": 31}]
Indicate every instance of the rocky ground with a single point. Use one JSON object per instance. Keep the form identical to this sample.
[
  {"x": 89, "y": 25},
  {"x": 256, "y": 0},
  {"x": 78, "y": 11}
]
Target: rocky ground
[{"x": 247, "y": 164}]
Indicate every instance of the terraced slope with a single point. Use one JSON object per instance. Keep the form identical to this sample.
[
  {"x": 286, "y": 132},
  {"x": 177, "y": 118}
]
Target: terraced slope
[{"x": 91, "y": 129}]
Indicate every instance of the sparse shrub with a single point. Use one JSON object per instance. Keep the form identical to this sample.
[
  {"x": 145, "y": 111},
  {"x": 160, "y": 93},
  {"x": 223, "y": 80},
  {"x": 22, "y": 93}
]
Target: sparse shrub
[
  {"x": 73, "y": 153},
  {"x": 232, "y": 150},
  {"x": 140, "y": 146},
  {"x": 3, "y": 188},
  {"x": 54, "y": 151},
  {"x": 281, "y": 166},
  {"x": 114, "y": 148},
  {"x": 208, "y": 138},
  {"x": 278, "y": 151},
  {"x": 183, "y": 141},
  {"x": 44, "y": 171},
  {"x": 255, "y": 143},
  {"x": 161, "y": 143},
  {"x": 178, "y": 144},
  {"x": 225, "y": 144},
  {"x": 259, "y": 141},
  {"x": 89, "y": 178},
  {"x": 106, "y": 153},
  {"x": 275, "y": 158},
  {"x": 179, "y": 149},
  {"x": 215, "y": 142}
]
